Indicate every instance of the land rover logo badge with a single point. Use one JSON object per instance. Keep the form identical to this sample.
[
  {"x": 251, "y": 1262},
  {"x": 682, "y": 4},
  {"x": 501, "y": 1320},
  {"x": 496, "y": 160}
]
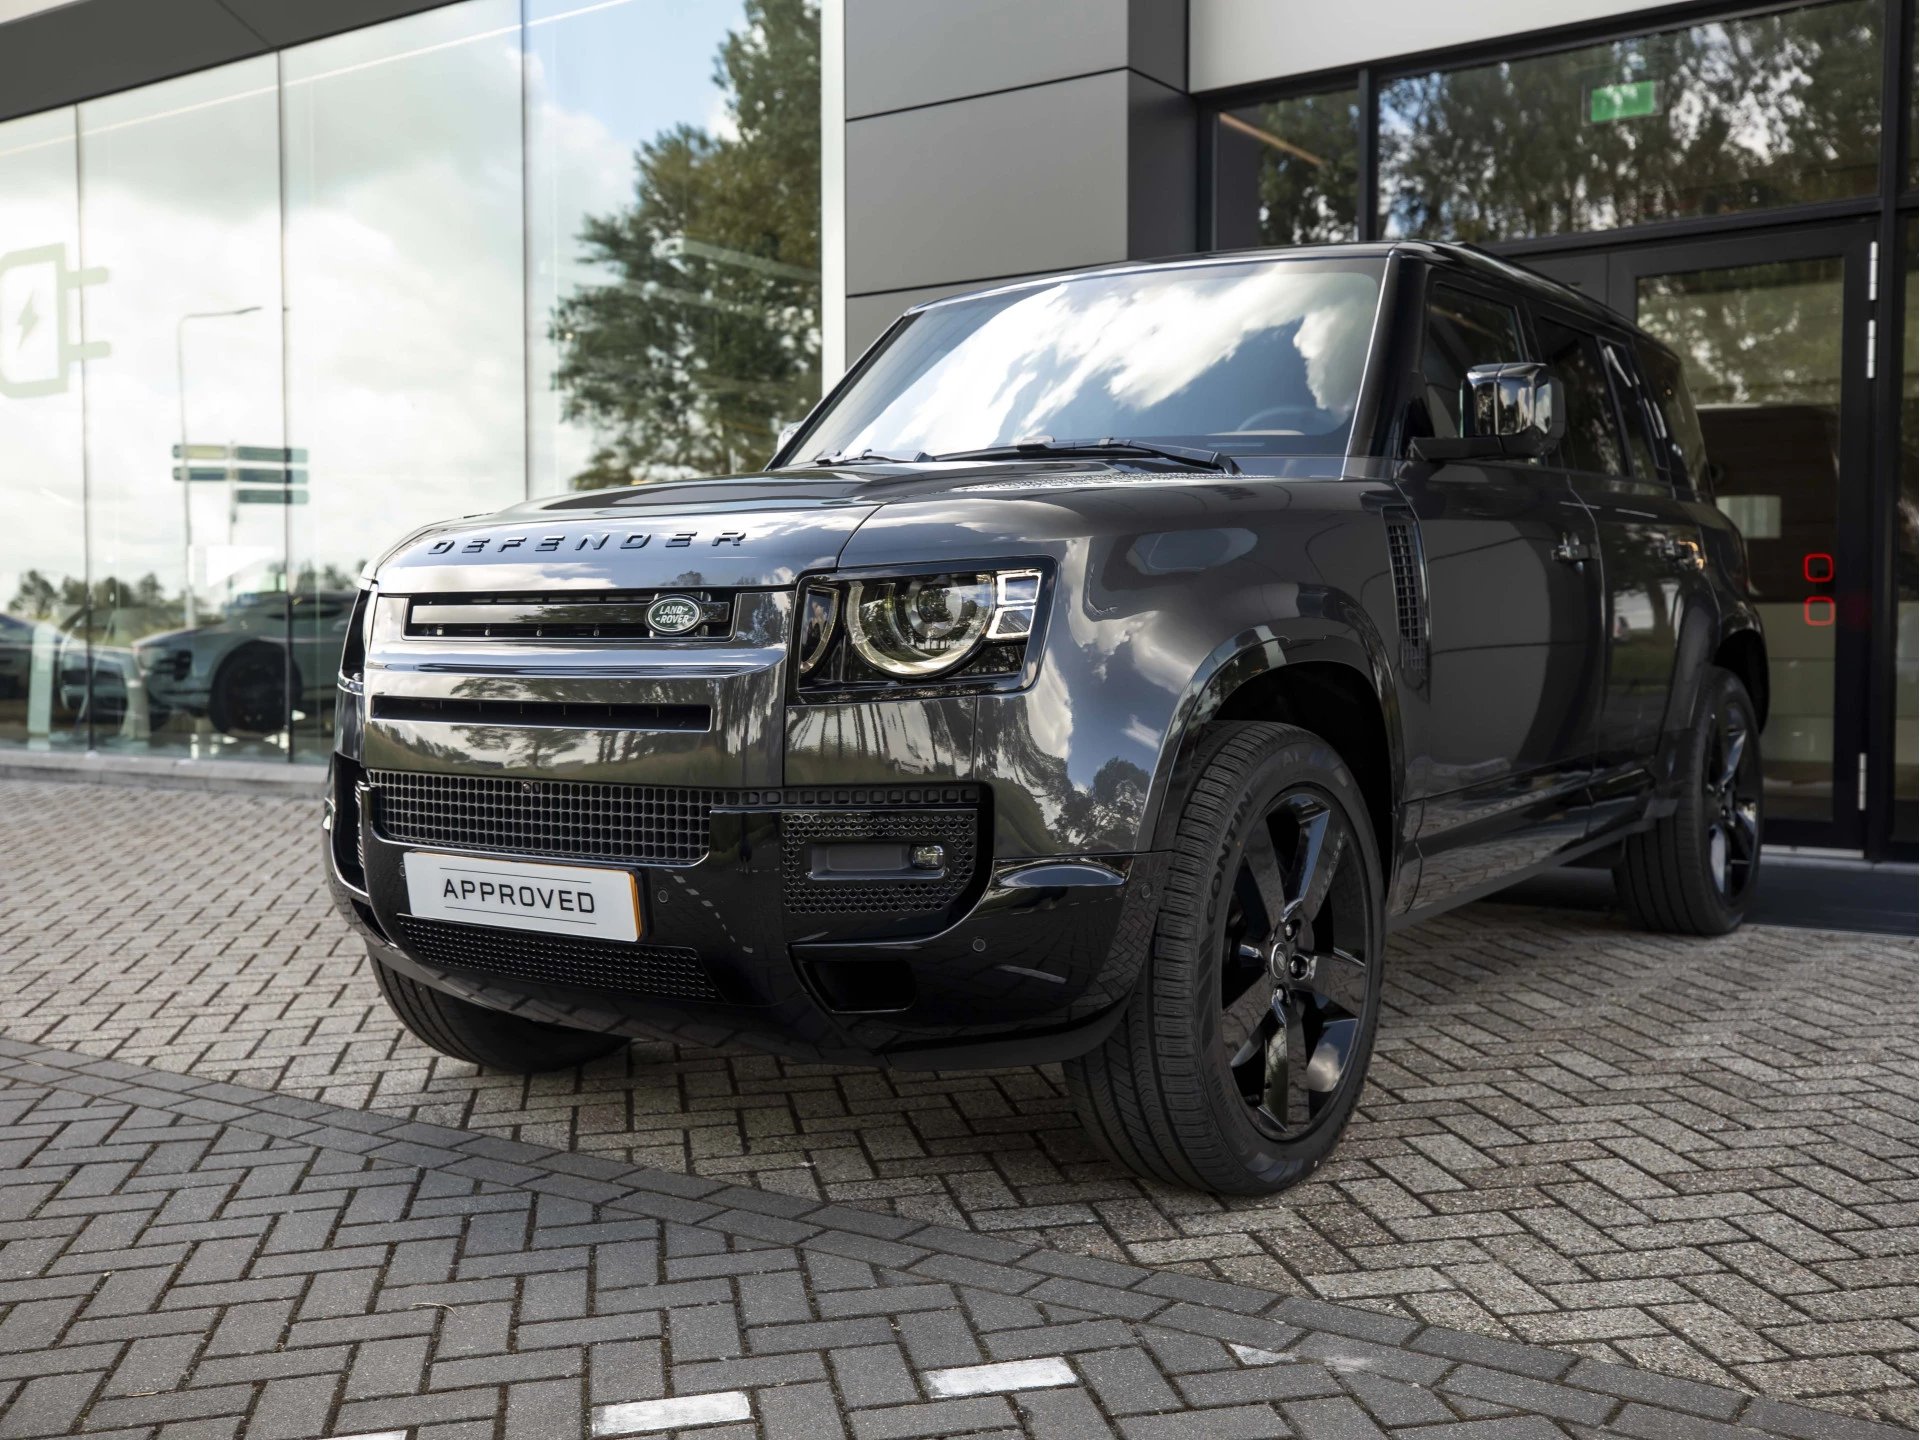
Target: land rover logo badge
[{"x": 673, "y": 615}]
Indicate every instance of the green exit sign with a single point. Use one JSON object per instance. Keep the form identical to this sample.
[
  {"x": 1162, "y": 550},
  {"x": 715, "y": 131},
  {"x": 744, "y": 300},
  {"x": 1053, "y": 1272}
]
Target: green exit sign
[{"x": 1629, "y": 100}]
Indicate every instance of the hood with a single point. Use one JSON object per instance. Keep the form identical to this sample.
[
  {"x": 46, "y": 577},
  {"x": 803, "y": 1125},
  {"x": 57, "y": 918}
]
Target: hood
[{"x": 732, "y": 532}]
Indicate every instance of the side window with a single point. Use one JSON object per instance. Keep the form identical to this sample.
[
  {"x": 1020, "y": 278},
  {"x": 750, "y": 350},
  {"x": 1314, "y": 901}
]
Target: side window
[
  {"x": 1592, "y": 441},
  {"x": 1680, "y": 441},
  {"x": 1463, "y": 330},
  {"x": 1633, "y": 410}
]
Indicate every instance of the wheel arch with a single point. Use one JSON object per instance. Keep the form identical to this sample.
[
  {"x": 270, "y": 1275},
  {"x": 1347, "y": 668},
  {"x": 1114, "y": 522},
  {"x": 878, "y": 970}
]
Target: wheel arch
[
  {"x": 1338, "y": 684},
  {"x": 1744, "y": 652}
]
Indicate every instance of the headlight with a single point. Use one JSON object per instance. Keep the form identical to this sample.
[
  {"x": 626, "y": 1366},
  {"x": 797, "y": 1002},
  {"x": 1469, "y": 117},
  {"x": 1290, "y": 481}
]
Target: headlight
[{"x": 954, "y": 626}]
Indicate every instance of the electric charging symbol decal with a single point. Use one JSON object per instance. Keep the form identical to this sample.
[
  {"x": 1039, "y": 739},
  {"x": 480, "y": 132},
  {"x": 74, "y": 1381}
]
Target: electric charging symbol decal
[{"x": 39, "y": 343}]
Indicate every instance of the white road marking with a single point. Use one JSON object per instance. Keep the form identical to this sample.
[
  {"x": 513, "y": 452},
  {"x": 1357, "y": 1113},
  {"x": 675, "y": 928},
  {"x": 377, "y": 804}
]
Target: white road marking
[
  {"x": 1009, "y": 1375},
  {"x": 639, "y": 1417},
  {"x": 376, "y": 1435}
]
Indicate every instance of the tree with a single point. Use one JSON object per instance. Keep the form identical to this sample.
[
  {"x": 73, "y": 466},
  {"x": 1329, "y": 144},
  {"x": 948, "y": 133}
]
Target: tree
[
  {"x": 708, "y": 340},
  {"x": 36, "y": 598}
]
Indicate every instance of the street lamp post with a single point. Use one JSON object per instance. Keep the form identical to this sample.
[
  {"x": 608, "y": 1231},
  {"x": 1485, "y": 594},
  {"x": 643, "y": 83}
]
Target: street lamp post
[{"x": 186, "y": 451}]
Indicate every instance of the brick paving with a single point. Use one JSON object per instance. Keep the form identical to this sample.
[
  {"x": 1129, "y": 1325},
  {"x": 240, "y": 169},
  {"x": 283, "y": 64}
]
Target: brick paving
[
  {"x": 1693, "y": 1158},
  {"x": 184, "y": 1259}
]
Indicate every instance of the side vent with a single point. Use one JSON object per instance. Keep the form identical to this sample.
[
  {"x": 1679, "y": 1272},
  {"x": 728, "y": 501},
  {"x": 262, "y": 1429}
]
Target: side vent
[{"x": 1409, "y": 592}]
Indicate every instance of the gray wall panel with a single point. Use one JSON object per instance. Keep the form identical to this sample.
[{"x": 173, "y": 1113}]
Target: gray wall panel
[
  {"x": 1032, "y": 180},
  {"x": 921, "y": 52},
  {"x": 1157, "y": 40},
  {"x": 1162, "y": 194}
]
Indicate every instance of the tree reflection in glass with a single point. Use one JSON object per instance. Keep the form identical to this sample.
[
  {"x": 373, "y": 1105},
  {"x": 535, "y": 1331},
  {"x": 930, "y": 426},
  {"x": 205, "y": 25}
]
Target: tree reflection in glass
[{"x": 1738, "y": 115}]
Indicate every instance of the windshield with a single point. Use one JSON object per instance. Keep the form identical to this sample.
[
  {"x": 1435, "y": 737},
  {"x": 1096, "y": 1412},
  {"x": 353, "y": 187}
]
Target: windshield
[{"x": 1260, "y": 358}]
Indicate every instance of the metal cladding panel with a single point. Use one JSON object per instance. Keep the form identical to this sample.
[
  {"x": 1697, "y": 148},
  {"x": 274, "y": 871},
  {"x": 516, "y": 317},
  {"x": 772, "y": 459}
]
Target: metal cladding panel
[
  {"x": 903, "y": 53},
  {"x": 1032, "y": 180}
]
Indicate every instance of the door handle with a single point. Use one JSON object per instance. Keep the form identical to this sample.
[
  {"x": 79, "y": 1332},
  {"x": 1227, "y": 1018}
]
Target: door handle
[{"x": 1571, "y": 551}]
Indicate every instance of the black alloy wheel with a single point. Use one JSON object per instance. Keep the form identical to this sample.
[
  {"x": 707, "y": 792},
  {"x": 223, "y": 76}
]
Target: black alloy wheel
[
  {"x": 1243, "y": 1048},
  {"x": 1292, "y": 995},
  {"x": 1695, "y": 871}
]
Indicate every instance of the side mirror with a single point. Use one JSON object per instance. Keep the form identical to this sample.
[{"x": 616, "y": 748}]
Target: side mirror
[
  {"x": 1523, "y": 405},
  {"x": 1516, "y": 409}
]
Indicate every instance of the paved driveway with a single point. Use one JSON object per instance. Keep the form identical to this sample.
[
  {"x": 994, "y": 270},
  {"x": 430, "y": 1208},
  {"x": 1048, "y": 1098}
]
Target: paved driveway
[{"x": 1693, "y": 1158}]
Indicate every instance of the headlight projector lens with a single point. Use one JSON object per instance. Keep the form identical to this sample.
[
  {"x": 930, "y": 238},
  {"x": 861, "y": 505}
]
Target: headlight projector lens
[{"x": 919, "y": 626}]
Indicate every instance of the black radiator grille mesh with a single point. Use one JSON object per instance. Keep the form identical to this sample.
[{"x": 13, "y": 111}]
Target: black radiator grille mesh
[
  {"x": 560, "y": 960},
  {"x": 642, "y": 824}
]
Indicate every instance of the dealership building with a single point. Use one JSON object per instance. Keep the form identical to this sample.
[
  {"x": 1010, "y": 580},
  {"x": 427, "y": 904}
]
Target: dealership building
[{"x": 282, "y": 279}]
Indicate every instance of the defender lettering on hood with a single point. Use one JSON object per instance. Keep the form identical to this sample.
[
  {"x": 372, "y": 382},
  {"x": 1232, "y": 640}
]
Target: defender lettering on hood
[{"x": 631, "y": 540}]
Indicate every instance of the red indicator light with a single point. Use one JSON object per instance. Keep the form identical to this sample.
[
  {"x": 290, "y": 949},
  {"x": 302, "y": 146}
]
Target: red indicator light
[
  {"x": 1817, "y": 611},
  {"x": 1817, "y": 566}
]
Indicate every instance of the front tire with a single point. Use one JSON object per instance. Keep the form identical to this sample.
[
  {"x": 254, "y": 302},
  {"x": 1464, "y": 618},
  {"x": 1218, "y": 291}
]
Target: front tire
[
  {"x": 491, "y": 1039},
  {"x": 1242, "y": 1053},
  {"x": 1694, "y": 872}
]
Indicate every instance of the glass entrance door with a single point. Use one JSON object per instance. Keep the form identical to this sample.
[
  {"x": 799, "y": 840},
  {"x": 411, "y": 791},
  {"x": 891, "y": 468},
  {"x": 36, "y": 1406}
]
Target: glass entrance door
[{"x": 1772, "y": 331}]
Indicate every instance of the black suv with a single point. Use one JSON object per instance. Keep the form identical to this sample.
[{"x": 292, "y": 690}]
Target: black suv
[{"x": 1098, "y": 675}]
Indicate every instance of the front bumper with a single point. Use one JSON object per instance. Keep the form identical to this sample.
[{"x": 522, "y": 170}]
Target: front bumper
[{"x": 745, "y": 943}]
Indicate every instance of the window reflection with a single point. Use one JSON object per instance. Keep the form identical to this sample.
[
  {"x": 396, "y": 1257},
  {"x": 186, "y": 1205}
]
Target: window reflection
[
  {"x": 1733, "y": 115},
  {"x": 1761, "y": 345},
  {"x": 180, "y": 206},
  {"x": 674, "y": 313},
  {"x": 1287, "y": 172},
  {"x": 43, "y": 574},
  {"x": 404, "y": 285},
  {"x": 1258, "y": 358},
  {"x": 568, "y": 243}
]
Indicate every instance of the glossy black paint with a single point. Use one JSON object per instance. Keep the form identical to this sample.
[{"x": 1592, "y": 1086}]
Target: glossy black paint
[{"x": 1564, "y": 633}]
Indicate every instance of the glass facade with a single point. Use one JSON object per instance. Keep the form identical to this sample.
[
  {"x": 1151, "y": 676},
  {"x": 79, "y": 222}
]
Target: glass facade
[
  {"x": 1741, "y": 114},
  {"x": 1731, "y": 116},
  {"x": 1292, "y": 169},
  {"x": 267, "y": 318}
]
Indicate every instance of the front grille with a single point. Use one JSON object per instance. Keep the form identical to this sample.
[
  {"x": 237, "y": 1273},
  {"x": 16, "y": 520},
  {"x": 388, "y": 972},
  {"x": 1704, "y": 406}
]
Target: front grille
[
  {"x": 596, "y": 615},
  {"x": 957, "y": 830},
  {"x": 639, "y": 824},
  {"x": 559, "y": 960}
]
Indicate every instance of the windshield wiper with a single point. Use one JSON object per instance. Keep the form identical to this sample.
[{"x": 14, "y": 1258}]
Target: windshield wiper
[
  {"x": 1110, "y": 445},
  {"x": 871, "y": 457}
]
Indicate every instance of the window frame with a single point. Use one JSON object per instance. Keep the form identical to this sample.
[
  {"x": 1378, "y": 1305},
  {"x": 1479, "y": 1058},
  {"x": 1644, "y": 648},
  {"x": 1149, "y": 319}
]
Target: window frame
[
  {"x": 1488, "y": 293},
  {"x": 1539, "y": 310}
]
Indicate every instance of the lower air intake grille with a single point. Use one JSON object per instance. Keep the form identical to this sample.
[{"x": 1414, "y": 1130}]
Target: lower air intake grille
[
  {"x": 1409, "y": 594},
  {"x": 558, "y": 960},
  {"x": 641, "y": 824},
  {"x": 800, "y": 830}
]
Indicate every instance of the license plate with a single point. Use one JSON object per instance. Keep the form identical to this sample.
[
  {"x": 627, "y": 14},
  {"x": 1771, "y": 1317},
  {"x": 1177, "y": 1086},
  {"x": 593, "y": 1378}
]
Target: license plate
[{"x": 522, "y": 895}]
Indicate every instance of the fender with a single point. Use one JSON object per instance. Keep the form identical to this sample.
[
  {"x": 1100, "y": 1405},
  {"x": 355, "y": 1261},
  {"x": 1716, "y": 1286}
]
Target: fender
[{"x": 1338, "y": 631}]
